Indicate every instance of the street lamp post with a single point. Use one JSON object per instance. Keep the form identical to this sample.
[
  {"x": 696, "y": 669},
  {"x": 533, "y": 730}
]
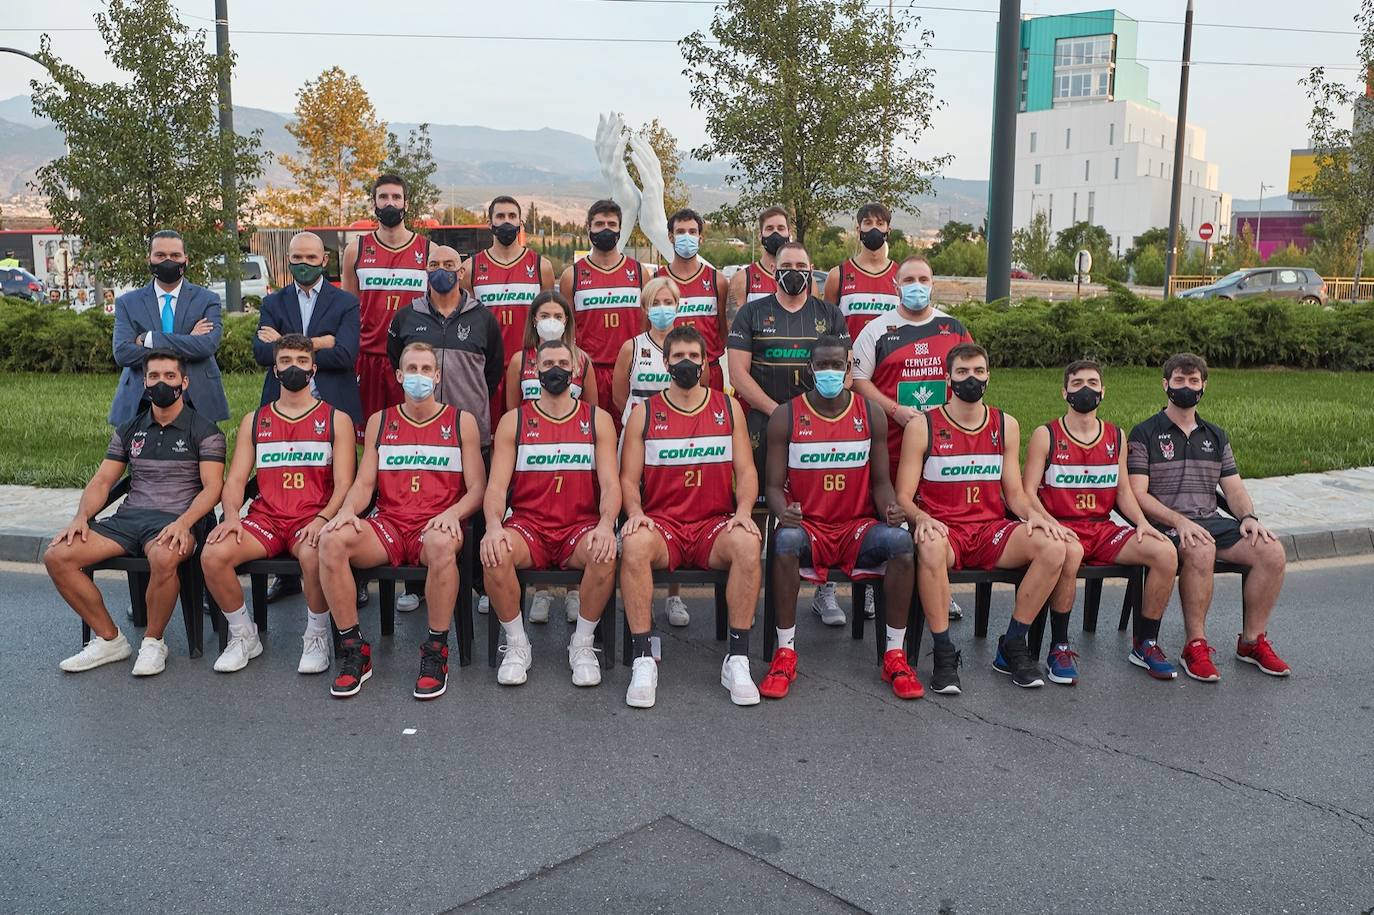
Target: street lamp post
[{"x": 1259, "y": 221}]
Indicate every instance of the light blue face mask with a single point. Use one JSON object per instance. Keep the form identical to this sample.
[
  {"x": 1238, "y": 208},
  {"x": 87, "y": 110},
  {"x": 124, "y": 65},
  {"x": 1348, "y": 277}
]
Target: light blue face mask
[
  {"x": 829, "y": 382},
  {"x": 418, "y": 387},
  {"x": 686, "y": 246},
  {"x": 662, "y": 316},
  {"x": 915, "y": 296}
]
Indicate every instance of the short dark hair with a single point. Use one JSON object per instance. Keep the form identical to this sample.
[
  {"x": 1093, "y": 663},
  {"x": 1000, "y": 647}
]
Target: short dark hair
[
  {"x": 874, "y": 211},
  {"x": 1188, "y": 363},
  {"x": 604, "y": 206},
  {"x": 503, "y": 198},
  {"x": 389, "y": 178},
  {"x": 299, "y": 343},
  {"x": 965, "y": 351},
  {"x": 828, "y": 341},
  {"x": 774, "y": 211},
  {"x": 793, "y": 244},
  {"x": 162, "y": 355},
  {"x": 684, "y": 214},
  {"x": 1081, "y": 365},
  {"x": 555, "y": 343},
  {"x": 684, "y": 333},
  {"x": 167, "y": 233}
]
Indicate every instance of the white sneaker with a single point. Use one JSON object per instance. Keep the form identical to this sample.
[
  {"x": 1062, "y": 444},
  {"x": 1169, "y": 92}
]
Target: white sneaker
[
  {"x": 407, "y": 603},
  {"x": 539, "y": 607},
  {"x": 572, "y": 605},
  {"x": 152, "y": 658},
  {"x": 484, "y": 604},
  {"x": 870, "y": 610},
  {"x": 734, "y": 676},
  {"x": 236, "y": 655},
  {"x": 586, "y": 668},
  {"x": 956, "y": 612},
  {"x": 314, "y": 654},
  {"x": 825, "y": 605},
  {"x": 676, "y": 609},
  {"x": 643, "y": 688},
  {"x": 96, "y": 652},
  {"x": 515, "y": 666}
]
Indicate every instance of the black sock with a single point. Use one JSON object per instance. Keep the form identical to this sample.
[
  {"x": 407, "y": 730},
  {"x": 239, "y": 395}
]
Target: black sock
[
  {"x": 941, "y": 639},
  {"x": 1149, "y": 630},
  {"x": 352, "y": 632},
  {"x": 1059, "y": 627},
  {"x": 441, "y": 637},
  {"x": 739, "y": 641},
  {"x": 1016, "y": 631},
  {"x": 639, "y": 646}
]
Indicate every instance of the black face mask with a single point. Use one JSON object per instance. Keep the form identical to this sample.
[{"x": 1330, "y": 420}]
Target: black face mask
[
  {"x": 773, "y": 241},
  {"x": 168, "y": 271},
  {"x": 792, "y": 282},
  {"x": 1084, "y": 400},
  {"x": 555, "y": 380},
  {"x": 293, "y": 378},
  {"x": 1184, "y": 397},
  {"x": 873, "y": 239},
  {"x": 970, "y": 389},
  {"x": 605, "y": 240},
  {"x": 163, "y": 394},
  {"x": 506, "y": 233},
  {"x": 685, "y": 373},
  {"x": 390, "y": 216}
]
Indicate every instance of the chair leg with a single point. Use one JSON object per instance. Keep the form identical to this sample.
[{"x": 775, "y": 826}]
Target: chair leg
[
  {"x": 915, "y": 624},
  {"x": 879, "y": 619},
  {"x": 1130, "y": 603},
  {"x": 1036, "y": 636},
  {"x": 722, "y": 613},
  {"x": 982, "y": 607},
  {"x": 386, "y": 596},
  {"x": 625, "y": 644},
  {"x": 217, "y": 620},
  {"x": 856, "y": 610},
  {"x": 138, "y": 597},
  {"x": 605, "y": 628},
  {"x": 257, "y": 584},
  {"x": 1092, "y": 600},
  {"x": 462, "y": 618},
  {"x": 191, "y": 613}
]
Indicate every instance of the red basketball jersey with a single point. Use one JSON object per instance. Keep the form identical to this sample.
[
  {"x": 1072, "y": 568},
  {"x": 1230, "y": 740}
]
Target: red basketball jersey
[
  {"x": 1081, "y": 478},
  {"x": 864, "y": 295},
  {"x": 827, "y": 462},
  {"x": 419, "y": 465},
  {"x": 909, "y": 367},
  {"x": 294, "y": 460},
  {"x": 507, "y": 290},
  {"x": 554, "y": 483},
  {"x": 606, "y": 307},
  {"x": 961, "y": 480},
  {"x": 758, "y": 282},
  {"x": 689, "y": 472},
  {"x": 700, "y": 308},
  {"x": 529, "y": 375},
  {"x": 389, "y": 279}
]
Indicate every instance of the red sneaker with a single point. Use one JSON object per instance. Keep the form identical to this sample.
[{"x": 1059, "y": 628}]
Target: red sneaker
[
  {"x": 1261, "y": 654},
  {"x": 1197, "y": 661},
  {"x": 780, "y": 675},
  {"x": 898, "y": 672}
]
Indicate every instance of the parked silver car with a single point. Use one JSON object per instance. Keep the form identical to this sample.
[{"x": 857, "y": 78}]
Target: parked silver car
[{"x": 1302, "y": 283}]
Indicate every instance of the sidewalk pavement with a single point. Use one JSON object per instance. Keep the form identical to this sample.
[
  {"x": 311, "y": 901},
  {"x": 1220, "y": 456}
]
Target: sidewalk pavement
[{"x": 1316, "y": 515}]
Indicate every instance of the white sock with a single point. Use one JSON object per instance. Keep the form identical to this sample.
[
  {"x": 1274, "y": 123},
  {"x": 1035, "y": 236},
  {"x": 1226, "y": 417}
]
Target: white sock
[
  {"x": 787, "y": 637},
  {"x": 515, "y": 631},
  {"x": 316, "y": 623},
  {"x": 586, "y": 629},
  {"x": 240, "y": 623},
  {"x": 896, "y": 638}
]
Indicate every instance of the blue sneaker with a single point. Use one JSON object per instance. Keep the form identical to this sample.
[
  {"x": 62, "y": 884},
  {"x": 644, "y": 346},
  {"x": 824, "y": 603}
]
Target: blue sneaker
[
  {"x": 1014, "y": 659},
  {"x": 1061, "y": 664},
  {"x": 1149, "y": 655}
]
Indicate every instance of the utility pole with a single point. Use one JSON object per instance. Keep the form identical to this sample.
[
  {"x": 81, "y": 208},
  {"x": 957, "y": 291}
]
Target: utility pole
[
  {"x": 1259, "y": 222},
  {"x": 1002, "y": 166},
  {"x": 1180, "y": 145},
  {"x": 233, "y": 293}
]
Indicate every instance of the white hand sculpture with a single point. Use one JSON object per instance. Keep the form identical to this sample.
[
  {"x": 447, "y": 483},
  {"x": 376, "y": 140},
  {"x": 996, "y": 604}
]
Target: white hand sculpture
[
  {"x": 611, "y": 139},
  {"x": 653, "y": 221}
]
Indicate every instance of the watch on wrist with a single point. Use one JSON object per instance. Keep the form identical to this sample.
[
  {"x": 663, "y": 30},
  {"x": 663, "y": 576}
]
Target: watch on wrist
[{"x": 1249, "y": 515}]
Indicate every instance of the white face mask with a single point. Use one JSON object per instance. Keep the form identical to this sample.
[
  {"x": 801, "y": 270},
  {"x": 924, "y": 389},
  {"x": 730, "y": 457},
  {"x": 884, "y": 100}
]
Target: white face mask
[{"x": 549, "y": 328}]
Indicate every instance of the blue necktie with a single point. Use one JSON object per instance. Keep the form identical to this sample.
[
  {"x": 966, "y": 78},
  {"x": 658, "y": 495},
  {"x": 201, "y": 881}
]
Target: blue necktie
[{"x": 167, "y": 313}]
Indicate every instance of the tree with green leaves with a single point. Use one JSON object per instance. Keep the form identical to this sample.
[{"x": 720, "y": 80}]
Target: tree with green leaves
[
  {"x": 951, "y": 232},
  {"x": 414, "y": 161},
  {"x": 820, "y": 103},
  {"x": 1157, "y": 238},
  {"x": 143, "y": 151},
  {"x": 1031, "y": 248}
]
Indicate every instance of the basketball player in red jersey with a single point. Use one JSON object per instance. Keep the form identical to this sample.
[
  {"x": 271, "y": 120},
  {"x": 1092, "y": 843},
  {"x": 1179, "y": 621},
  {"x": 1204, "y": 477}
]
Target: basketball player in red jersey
[
  {"x": 386, "y": 271},
  {"x": 756, "y": 280},
  {"x": 865, "y": 286},
  {"x": 828, "y": 486},
  {"x": 1076, "y": 473},
  {"x": 506, "y": 277},
  {"x": 688, "y": 484},
  {"x": 603, "y": 288},
  {"x": 958, "y": 478},
  {"x": 424, "y": 460},
  {"x": 556, "y": 456},
  {"x": 702, "y": 302},
  {"x": 302, "y": 451}
]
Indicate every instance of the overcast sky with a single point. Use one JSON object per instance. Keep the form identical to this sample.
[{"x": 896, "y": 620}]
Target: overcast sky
[{"x": 1253, "y": 114}]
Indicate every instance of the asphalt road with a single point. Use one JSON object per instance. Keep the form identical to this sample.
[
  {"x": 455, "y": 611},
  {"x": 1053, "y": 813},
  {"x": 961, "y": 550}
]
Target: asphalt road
[{"x": 255, "y": 792}]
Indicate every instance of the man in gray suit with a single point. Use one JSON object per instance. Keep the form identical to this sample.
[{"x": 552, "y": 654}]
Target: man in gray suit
[{"x": 169, "y": 313}]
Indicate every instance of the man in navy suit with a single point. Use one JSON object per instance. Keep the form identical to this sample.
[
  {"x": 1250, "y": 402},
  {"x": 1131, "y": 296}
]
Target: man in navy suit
[
  {"x": 323, "y": 312},
  {"x": 171, "y": 314}
]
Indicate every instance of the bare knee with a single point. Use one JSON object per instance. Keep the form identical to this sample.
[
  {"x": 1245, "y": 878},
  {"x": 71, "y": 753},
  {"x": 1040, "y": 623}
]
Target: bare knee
[
  {"x": 1051, "y": 552},
  {"x": 161, "y": 560},
  {"x": 334, "y": 548},
  {"x": 1162, "y": 558},
  {"x": 933, "y": 553},
  {"x": 438, "y": 549},
  {"x": 637, "y": 548},
  {"x": 1200, "y": 558},
  {"x": 1073, "y": 554},
  {"x": 59, "y": 559}
]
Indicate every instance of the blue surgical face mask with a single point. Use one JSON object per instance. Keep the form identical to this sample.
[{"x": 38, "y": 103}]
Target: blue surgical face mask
[
  {"x": 418, "y": 387},
  {"x": 662, "y": 316},
  {"x": 915, "y": 296},
  {"x": 829, "y": 382},
  {"x": 686, "y": 246},
  {"x": 442, "y": 281}
]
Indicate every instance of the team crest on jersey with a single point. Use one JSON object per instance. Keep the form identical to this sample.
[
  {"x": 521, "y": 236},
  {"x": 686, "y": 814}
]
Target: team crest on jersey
[
  {"x": 644, "y": 353},
  {"x": 820, "y": 325},
  {"x": 445, "y": 432},
  {"x": 585, "y": 425},
  {"x": 136, "y": 446},
  {"x": 531, "y": 422},
  {"x": 462, "y": 331},
  {"x": 995, "y": 436},
  {"x": 393, "y": 430},
  {"x": 1111, "y": 449},
  {"x": 419, "y": 258},
  {"x": 660, "y": 416},
  {"x": 629, "y": 273},
  {"x": 1166, "y": 448},
  {"x": 719, "y": 416},
  {"x": 858, "y": 423},
  {"x": 529, "y": 271},
  {"x": 945, "y": 331},
  {"x": 369, "y": 251},
  {"x": 924, "y": 394},
  {"x": 586, "y": 273},
  {"x": 482, "y": 269},
  {"x": 319, "y": 427},
  {"x": 1063, "y": 446},
  {"x": 1207, "y": 446}
]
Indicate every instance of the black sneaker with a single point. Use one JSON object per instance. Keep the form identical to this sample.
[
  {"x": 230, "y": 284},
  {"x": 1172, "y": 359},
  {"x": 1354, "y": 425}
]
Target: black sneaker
[
  {"x": 433, "y": 679},
  {"x": 355, "y": 668},
  {"x": 945, "y": 677},
  {"x": 1014, "y": 658}
]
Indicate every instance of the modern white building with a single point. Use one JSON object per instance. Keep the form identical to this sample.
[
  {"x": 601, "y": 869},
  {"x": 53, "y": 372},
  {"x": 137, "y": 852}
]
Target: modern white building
[{"x": 1091, "y": 147}]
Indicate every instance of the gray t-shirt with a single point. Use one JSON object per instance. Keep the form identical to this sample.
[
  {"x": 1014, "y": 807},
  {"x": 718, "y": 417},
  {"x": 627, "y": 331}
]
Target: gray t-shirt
[{"x": 164, "y": 461}]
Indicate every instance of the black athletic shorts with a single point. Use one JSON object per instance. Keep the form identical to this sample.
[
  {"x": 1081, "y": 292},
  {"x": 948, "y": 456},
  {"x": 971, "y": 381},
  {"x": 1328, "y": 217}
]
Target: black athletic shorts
[
  {"x": 132, "y": 528},
  {"x": 1226, "y": 531}
]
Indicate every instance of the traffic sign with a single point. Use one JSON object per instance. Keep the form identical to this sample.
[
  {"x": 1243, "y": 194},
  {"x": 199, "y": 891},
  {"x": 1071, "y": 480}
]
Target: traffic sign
[{"x": 1205, "y": 231}]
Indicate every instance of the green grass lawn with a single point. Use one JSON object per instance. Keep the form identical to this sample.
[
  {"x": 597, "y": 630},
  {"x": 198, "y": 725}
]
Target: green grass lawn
[{"x": 53, "y": 430}]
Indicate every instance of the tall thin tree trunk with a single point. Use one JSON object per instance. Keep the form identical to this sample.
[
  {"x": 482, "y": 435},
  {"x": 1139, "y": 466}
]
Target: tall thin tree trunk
[{"x": 1359, "y": 262}]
